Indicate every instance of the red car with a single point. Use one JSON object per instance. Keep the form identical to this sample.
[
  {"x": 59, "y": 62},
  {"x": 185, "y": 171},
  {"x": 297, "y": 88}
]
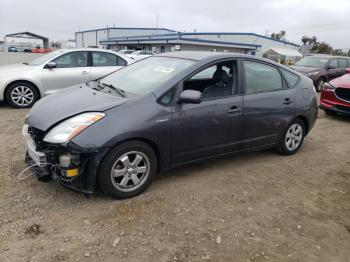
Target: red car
[{"x": 335, "y": 96}]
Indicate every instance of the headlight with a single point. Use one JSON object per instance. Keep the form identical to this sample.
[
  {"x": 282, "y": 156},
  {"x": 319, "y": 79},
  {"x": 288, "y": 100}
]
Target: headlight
[
  {"x": 312, "y": 73},
  {"x": 328, "y": 86},
  {"x": 71, "y": 127}
]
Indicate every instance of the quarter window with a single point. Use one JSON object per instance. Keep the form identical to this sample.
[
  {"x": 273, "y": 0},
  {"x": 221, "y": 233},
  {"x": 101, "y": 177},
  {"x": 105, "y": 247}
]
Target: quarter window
[
  {"x": 73, "y": 59},
  {"x": 291, "y": 78},
  {"x": 106, "y": 59},
  {"x": 261, "y": 78}
]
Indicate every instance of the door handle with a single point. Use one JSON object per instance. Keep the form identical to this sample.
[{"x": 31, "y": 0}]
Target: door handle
[
  {"x": 234, "y": 109},
  {"x": 287, "y": 101},
  {"x": 85, "y": 72}
]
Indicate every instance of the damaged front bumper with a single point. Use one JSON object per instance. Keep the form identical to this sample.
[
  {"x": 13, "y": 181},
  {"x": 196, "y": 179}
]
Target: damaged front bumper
[{"x": 70, "y": 165}]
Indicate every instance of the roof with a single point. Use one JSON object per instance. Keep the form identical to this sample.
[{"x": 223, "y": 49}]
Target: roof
[
  {"x": 179, "y": 35},
  {"x": 27, "y": 35},
  {"x": 284, "y": 51},
  {"x": 126, "y": 28},
  {"x": 177, "y": 38}
]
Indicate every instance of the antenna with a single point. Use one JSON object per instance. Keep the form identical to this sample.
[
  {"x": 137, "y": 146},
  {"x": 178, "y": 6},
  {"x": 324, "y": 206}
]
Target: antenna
[{"x": 157, "y": 21}]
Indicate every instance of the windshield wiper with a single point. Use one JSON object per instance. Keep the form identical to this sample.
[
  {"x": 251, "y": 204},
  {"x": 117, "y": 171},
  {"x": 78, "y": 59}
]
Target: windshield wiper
[{"x": 121, "y": 92}]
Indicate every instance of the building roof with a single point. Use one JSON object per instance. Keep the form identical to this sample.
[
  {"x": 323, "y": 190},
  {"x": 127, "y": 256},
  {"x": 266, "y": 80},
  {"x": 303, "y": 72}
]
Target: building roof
[{"x": 174, "y": 33}]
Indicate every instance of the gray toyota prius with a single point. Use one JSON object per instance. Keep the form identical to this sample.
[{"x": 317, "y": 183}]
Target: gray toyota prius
[{"x": 162, "y": 112}]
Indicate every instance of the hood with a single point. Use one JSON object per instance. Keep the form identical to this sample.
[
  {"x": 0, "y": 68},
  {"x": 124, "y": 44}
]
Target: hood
[
  {"x": 304, "y": 69},
  {"x": 57, "y": 107},
  {"x": 343, "y": 81},
  {"x": 14, "y": 68}
]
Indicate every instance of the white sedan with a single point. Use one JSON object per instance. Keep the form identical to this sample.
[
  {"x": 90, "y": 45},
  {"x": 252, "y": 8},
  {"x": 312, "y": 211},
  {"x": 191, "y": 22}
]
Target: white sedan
[
  {"x": 21, "y": 85},
  {"x": 140, "y": 54}
]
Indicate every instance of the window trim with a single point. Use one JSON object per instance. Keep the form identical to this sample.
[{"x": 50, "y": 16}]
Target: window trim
[
  {"x": 203, "y": 67},
  {"x": 87, "y": 63},
  {"x": 284, "y": 83}
]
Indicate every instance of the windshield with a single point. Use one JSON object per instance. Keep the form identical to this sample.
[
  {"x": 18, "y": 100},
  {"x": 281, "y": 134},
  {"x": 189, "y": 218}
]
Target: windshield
[
  {"x": 318, "y": 62},
  {"x": 127, "y": 52},
  {"x": 148, "y": 74},
  {"x": 44, "y": 58}
]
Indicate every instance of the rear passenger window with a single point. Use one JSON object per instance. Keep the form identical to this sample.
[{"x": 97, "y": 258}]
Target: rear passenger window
[
  {"x": 261, "y": 78},
  {"x": 342, "y": 63},
  {"x": 291, "y": 78},
  {"x": 106, "y": 59}
]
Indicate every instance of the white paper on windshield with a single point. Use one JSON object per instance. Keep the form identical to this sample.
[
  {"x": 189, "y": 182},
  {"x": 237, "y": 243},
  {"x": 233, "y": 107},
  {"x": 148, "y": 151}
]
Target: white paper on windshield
[{"x": 164, "y": 69}]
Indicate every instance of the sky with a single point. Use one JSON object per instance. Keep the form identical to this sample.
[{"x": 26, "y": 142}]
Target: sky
[{"x": 328, "y": 20}]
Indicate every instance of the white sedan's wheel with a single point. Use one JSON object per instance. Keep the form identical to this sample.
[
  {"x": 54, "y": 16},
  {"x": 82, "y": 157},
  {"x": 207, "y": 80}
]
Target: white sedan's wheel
[{"x": 21, "y": 94}]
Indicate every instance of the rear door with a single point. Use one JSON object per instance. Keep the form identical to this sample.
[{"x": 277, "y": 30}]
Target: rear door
[
  {"x": 269, "y": 104},
  {"x": 104, "y": 63},
  {"x": 71, "y": 69}
]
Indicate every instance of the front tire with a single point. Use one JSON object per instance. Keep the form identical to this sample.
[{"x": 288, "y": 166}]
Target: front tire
[
  {"x": 319, "y": 84},
  {"x": 330, "y": 112},
  {"x": 292, "y": 138},
  {"x": 21, "y": 95},
  {"x": 127, "y": 170}
]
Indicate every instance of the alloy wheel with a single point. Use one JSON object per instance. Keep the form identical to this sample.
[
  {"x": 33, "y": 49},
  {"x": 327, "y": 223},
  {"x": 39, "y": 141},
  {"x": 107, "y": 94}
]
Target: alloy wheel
[
  {"x": 22, "y": 96},
  {"x": 294, "y": 137},
  {"x": 130, "y": 171}
]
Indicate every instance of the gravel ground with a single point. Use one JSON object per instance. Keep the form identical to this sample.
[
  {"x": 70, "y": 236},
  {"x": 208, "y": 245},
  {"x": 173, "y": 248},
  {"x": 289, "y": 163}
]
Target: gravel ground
[{"x": 249, "y": 207}]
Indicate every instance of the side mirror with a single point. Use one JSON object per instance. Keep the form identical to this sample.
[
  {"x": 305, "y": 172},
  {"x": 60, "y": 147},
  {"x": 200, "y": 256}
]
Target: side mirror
[
  {"x": 51, "y": 65},
  {"x": 331, "y": 67},
  {"x": 190, "y": 97}
]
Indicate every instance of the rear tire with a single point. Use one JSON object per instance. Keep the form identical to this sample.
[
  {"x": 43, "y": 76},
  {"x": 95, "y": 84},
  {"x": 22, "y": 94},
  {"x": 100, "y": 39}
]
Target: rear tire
[
  {"x": 292, "y": 138},
  {"x": 127, "y": 170},
  {"x": 21, "y": 95}
]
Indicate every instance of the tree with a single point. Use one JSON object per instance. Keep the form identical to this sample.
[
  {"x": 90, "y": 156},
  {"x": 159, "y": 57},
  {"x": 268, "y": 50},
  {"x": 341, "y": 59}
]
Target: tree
[
  {"x": 324, "y": 48},
  {"x": 279, "y": 36},
  {"x": 338, "y": 52},
  {"x": 349, "y": 52}
]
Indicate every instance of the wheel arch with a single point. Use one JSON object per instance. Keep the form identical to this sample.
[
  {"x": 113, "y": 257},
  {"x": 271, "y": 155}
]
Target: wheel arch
[
  {"x": 306, "y": 123},
  {"x": 22, "y": 81},
  {"x": 147, "y": 141}
]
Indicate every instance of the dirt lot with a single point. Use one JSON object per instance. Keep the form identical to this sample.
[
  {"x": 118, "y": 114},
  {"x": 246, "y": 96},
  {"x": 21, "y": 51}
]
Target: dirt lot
[{"x": 253, "y": 207}]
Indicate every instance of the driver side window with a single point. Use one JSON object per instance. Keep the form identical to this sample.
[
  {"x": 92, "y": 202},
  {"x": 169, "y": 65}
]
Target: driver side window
[
  {"x": 333, "y": 63},
  {"x": 216, "y": 81}
]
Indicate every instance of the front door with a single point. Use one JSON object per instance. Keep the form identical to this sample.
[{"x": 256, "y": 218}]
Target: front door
[
  {"x": 71, "y": 69},
  {"x": 269, "y": 105},
  {"x": 212, "y": 127}
]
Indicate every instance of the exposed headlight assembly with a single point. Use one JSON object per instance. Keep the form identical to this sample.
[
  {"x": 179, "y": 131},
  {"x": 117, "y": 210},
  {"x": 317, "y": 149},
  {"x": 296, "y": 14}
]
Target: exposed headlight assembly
[{"x": 71, "y": 127}]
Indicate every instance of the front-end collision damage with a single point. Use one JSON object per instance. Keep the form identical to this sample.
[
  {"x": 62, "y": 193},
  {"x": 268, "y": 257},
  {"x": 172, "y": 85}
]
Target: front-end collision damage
[{"x": 70, "y": 165}]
